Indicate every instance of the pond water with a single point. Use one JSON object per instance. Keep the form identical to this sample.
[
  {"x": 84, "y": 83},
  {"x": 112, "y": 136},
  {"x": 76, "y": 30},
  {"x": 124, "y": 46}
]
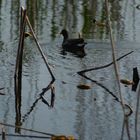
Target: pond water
[{"x": 85, "y": 114}]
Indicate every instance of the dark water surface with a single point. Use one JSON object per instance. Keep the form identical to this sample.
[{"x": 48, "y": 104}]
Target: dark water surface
[{"x": 85, "y": 114}]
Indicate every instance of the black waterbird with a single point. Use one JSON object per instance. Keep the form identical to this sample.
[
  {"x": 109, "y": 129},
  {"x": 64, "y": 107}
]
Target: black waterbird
[{"x": 75, "y": 44}]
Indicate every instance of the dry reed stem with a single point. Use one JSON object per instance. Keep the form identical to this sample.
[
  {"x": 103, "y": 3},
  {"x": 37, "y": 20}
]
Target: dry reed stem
[
  {"x": 46, "y": 62},
  {"x": 28, "y": 136},
  {"x": 18, "y": 69},
  {"x": 26, "y": 129},
  {"x": 114, "y": 61},
  {"x": 114, "y": 54},
  {"x": 39, "y": 48}
]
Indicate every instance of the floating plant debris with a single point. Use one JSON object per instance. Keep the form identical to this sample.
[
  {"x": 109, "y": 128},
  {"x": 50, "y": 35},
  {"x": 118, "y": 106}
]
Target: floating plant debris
[
  {"x": 126, "y": 82},
  {"x": 83, "y": 86},
  {"x": 26, "y": 34},
  {"x": 62, "y": 138},
  {"x": 63, "y": 82}
]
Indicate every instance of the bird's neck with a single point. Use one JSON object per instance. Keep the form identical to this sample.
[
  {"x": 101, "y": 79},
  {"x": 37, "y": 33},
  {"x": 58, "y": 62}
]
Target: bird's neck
[{"x": 65, "y": 37}]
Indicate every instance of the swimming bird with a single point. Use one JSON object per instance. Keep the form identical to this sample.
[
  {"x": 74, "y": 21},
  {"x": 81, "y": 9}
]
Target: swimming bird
[{"x": 72, "y": 44}]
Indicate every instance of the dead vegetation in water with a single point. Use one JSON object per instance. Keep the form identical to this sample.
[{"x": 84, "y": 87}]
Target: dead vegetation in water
[
  {"x": 134, "y": 83},
  {"x": 18, "y": 88},
  {"x": 18, "y": 79},
  {"x": 18, "y": 85}
]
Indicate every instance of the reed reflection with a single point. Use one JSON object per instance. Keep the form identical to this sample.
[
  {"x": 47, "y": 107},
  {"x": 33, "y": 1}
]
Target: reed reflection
[
  {"x": 46, "y": 102},
  {"x": 18, "y": 112}
]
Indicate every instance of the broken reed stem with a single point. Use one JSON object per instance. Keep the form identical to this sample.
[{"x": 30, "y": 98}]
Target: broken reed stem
[
  {"x": 114, "y": 59},
  {"x": 28, "y": 136},
  {"x": 21, "y": 40},
  {"x": 39, "y": 48},
  {"x": 37, "y": 137},
  {"x": 35, "y": 131},
  {"x": 136, "y": 115},
  {"x": 114, "y": 56},
  {"x": 18, "y": 69}
]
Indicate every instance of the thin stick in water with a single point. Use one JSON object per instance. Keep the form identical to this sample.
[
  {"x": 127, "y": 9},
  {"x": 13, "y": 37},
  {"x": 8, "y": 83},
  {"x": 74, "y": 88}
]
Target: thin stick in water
[{"x": 39, "y": 48}]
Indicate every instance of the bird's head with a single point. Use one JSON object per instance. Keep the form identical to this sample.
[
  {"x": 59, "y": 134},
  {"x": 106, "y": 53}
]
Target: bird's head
[{"x": 64, "y": 33}]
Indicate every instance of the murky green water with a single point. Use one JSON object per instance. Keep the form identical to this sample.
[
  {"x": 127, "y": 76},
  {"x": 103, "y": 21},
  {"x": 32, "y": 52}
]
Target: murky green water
[{"x": 85, "y": 114}]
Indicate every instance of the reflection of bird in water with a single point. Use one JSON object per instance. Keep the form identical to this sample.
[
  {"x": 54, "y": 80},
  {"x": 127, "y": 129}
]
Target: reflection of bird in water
[
  {"x": 75, "y": 46},
  {"x": 77, "y": 53},
  {"x": 98, "y": 23}
]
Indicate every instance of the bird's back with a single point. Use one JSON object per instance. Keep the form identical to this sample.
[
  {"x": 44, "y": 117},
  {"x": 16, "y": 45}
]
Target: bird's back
[{"x": 74, "y": 43}]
